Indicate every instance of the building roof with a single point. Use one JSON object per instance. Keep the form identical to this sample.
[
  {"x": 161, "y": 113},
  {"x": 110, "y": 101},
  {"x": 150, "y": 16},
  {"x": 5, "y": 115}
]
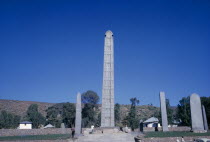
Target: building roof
[
  {"x": 49, "y": 126},
  {"x": 152, "y": 119},
  {"x": 25, "y": 122}
]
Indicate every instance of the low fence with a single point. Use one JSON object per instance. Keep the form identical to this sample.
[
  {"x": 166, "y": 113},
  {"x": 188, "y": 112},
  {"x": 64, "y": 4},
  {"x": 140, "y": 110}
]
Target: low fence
[{"x": 23, "y": 132}]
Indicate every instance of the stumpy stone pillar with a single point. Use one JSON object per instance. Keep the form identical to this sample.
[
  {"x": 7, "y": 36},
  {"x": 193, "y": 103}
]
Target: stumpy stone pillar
[
  {"x": 163, "y": 112},
  {"x": 205, "y": 119},
  {"x": 63, "y": 128},
  {"x": 107, "y": 112},
  {"x": 196, "y": 114},
  {"x": 78, "y": 120}
]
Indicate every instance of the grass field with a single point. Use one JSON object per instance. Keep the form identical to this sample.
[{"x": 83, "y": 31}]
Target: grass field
[
  {"x": 174, "y": 134},
  {"x": 36, "y": 137}
]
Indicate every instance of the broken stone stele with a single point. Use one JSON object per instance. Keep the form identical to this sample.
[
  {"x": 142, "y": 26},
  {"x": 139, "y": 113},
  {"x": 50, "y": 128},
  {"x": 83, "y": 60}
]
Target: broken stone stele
[{"x": 63, "y": 128}]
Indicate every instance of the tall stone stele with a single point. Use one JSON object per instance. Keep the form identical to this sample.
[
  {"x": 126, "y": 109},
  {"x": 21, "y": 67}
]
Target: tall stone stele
[
  {"x": 78, "y": 120},
  {"x": 163, "y": 112},
  {"x": 107, "y": 113},
  {"x": 196, "y": 113}
]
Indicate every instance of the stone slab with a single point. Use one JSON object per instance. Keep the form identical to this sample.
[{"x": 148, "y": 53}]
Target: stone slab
[
  {"x": 163, "y": 112},
  {"x": 205, "y": 119},
  {"x": 196, "y": 113},
  {"x": 63, "y": 128},
  {"x": 78, "y": 120}
]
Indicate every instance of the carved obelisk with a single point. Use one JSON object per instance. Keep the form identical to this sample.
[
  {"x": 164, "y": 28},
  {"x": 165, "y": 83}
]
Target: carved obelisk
[{"x": 107, "y": 111}]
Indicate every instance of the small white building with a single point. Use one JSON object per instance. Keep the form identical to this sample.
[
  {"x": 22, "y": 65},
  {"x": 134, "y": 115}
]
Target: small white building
[
  {"x": 152, "y": 122},
  {"x": 25, "y": 125}
]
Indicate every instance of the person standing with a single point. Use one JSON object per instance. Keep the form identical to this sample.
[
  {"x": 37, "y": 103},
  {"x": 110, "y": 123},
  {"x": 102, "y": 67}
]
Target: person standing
[
  {"x": 72, "y": 132},
  {"x": 182, "y": 140},
  {"x": 92, "y": 128}
]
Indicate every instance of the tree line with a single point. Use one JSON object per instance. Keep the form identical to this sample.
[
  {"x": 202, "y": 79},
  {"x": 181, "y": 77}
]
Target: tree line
[
  {"x": 9, "y": 120},
  {"x": 57, "y": 114},
  {"x": 183, "y": 110},
  {"x": 91, "y": 115}
]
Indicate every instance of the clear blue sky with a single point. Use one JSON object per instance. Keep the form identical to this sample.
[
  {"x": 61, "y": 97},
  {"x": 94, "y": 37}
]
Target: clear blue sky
[{"x": 50, "y": 50}]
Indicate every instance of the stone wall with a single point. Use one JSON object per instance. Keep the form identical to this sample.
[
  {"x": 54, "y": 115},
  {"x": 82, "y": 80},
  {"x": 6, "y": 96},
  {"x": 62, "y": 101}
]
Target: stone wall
[
  {"x": 150, "y": 129},
  {"x": 179, "y": 128},
  {"x": 173, "y": 139},
  {"x": 42, "y": 141},
  {"x": 21, "y": 132}
]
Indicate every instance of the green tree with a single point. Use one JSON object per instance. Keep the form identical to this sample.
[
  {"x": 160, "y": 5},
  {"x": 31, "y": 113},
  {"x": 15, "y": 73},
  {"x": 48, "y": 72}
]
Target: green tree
[
  {"x": 4, "y": 119},
  {"x": 157, "y": 114},
  {"x": 90, "y": 97},
  {"x": 132, "y": 118},
  {"x": 98, "y": 120},
  {"x": 183, "y": 111},
  {"x": 68, "y": 115},
  {"x": 89, "y": 115},
  {"x": 117, "y": 114},
  {"x": 54, "y": 115},
  {"x": 9, "y": 120},
  {"x": 34, "y": 116},
  {"x": 169, "y": 112},
  {"x": 16, "y": 121}
]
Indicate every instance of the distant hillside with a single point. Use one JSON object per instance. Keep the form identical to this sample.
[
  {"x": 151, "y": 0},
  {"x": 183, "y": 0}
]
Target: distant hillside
[
  {"x": 143, "y": 112},
  {"x": 20, "y": 108}
]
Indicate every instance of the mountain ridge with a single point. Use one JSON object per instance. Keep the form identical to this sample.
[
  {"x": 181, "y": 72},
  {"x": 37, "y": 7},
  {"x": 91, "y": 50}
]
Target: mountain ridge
[{"x": 18, "y": 107}]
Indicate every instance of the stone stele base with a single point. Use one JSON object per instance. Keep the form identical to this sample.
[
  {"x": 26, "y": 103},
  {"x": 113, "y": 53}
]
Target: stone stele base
[
  {"x": 109, "y": 130},
  {"x": 200, "y": 131},
  {"x": 104, "y": 130}
]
